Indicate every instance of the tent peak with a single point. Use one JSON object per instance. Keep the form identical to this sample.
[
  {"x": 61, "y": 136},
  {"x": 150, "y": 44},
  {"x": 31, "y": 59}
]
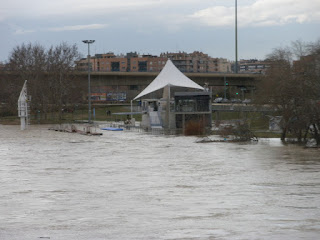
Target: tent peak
[{"x": 170, "y": 75}]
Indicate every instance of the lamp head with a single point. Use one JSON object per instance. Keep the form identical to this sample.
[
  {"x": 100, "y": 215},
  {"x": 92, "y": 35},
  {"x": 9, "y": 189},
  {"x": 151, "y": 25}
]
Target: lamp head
[{"x": 88, "y": 41}]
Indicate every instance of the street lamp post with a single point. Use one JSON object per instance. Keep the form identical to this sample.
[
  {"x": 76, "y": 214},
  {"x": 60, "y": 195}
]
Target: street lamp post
[
  {"x": 89, "y": 89},
  {"x": 236, "y": 35}
]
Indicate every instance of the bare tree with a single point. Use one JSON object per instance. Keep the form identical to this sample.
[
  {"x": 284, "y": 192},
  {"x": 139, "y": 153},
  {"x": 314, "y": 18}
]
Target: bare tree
[
  {"x": 26, "y": 62},
  {"x": 60, "y": 66},
  {"x": 310, "y": 74},
  {"x": 277, "y": 87},
  {"x": 49, "y": 74},
  {"x": 293, "y": 88},
  {"x": 299, "y": 48}
]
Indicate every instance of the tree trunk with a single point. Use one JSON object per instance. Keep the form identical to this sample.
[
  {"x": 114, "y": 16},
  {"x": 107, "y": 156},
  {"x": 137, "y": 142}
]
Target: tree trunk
[
  {"x": 283, "y": 134},
  {"x": 306, "y": 134},
  {"x": 300, "y": 136},
  {"x": 316, "y": 134}
]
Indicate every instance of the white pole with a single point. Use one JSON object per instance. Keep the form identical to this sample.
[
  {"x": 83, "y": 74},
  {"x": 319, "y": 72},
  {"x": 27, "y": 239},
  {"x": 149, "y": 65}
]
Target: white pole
[
  {"x": 169, "y": 125},
  {"x": 236, "y": 35},
  {"x": 23, "y": 123},
  {"x": 23, "y": 106}
]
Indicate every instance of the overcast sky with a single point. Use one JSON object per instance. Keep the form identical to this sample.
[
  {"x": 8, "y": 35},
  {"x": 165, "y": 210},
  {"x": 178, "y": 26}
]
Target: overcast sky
[{"x": 155, "y": 26}]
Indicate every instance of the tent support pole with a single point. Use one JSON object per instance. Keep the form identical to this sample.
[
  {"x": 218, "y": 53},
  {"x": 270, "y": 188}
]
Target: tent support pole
[{"x": 169, "y": 126}]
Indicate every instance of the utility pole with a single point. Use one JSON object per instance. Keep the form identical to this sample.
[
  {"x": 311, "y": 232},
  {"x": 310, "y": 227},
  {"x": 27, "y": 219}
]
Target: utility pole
[{"x": 89, "y": 88}]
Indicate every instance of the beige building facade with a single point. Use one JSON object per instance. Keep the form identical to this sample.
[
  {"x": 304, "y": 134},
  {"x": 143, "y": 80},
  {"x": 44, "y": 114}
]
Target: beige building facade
[
  {"x": 196, "y": 62},
  {"x": 253, "y": 66}
]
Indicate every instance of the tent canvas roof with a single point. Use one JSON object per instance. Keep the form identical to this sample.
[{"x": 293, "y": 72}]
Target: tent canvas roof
[{"x": 169, "y": 76}]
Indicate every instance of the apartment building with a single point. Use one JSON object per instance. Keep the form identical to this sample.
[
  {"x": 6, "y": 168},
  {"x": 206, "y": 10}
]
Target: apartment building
[
  {"x": 196, "y": 62},
  {"x": 305, "y": 63},
  {"x": 82, "y": 64},
  {"x": 181, "y": 60},
  {"x": 222, "y": 65},
  {"x": 110, "y": 63},
  {"x": 253, "y": 66},
  {"x": 147, "y": 63}
]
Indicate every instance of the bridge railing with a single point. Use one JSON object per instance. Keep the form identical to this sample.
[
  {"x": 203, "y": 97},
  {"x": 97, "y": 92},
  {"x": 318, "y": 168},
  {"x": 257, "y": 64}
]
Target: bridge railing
[{"x": 241, "y": 107}]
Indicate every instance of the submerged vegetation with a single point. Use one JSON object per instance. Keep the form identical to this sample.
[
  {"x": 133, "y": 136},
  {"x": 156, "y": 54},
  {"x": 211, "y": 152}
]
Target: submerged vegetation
[{"x": 292, "y": 87}]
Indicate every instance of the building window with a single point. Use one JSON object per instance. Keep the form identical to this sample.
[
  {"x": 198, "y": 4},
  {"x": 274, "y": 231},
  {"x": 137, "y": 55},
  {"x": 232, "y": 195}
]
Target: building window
[
  {"x": 115, "y": 66},
  {"x": 133, "y": 87},
  {"x": 142, "y": 66}
]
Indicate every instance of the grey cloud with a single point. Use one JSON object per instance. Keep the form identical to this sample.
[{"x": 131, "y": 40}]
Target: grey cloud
[{"x": 261, "y": 13}]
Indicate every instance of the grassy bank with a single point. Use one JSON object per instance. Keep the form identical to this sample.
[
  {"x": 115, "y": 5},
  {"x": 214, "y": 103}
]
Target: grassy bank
[{"x": 79, "y": 113}]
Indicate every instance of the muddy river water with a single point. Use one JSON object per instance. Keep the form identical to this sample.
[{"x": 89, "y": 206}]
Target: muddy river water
[{"x": 131, "y": 185}]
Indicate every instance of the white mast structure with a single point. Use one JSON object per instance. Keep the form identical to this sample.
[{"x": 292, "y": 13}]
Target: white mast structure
[{"x": 23, "y": 107}]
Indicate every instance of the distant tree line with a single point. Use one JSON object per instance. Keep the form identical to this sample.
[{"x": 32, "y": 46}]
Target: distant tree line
[
  {"x": 292, "y": 86},
  {"x": 52, "y": 83}
]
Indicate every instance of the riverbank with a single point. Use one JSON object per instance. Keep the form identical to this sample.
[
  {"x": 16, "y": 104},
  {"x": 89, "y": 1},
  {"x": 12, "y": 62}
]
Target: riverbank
[
  {"x": 258, "y": 123},
  {"x": 16, "y": 121}
]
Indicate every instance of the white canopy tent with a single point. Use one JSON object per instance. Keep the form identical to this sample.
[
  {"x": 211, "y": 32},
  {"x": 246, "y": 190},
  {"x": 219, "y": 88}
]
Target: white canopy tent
[{"x": 169, "y": 76}]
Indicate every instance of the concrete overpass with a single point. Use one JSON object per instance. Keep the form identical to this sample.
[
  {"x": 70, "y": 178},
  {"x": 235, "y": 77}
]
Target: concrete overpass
[
  {"x": 132, "y": 83},
  {"x": 142, "y": 79}
]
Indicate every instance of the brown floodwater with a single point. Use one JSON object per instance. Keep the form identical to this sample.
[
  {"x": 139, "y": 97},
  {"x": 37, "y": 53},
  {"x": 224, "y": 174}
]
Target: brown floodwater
[{"x": 130, "y": 185}]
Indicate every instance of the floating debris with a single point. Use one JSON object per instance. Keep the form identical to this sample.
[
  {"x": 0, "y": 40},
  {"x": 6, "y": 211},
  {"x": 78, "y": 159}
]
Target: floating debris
[
  {"x": 208, "y": 140},
  {"x": 86, "y": 130}
]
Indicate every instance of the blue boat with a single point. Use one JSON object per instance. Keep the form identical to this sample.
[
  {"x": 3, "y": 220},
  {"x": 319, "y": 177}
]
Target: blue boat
[{"x": 112, "y": 129}]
